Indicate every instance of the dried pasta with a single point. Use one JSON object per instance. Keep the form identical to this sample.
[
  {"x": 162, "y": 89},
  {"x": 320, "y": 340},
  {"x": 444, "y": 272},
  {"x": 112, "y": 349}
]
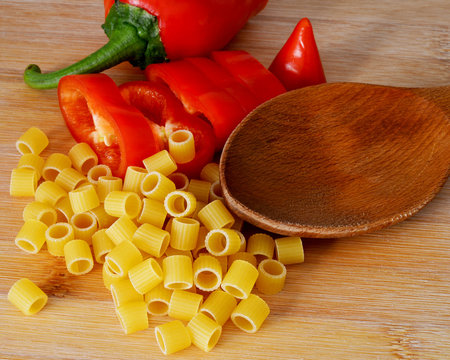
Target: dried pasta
[
  {"x": 240, "y": 279},
  {"x": 200, "y": 189},
  {"x": 218, "y": 306},
  {"x": 180, "y": 203},
  {"x": 289, "y": 250},
  {"x": 121, "y": 230},
  {"x": 32, "y": 162},
  {"x": 216, "y": 216},
  {"x": 178, "y": 273},
  {"x": 123, "y": 203},
  {"x": 184, "y": 304},
  {"x": 246, "y": 256},
  {"x": 180, "y": 180},
  {"x": 151, "y": 239},
  {"x": 171, "y": 251},
  {"x": 40, "y": 211},
  {"x": 184, "y": 233},
  {"x": 108, "y": 277},
  {"x": 83, "y": 157},
  {"x": 97, "y": 172},
  {"x": 182, "y": 146},
  {"x": 161, "y": 162},
  {"x": 84, "y": 226},
  {"x": 133, "y": 178},
  {"x": 222, "y": 242},
  {"x": 272, "y": 276},
  {"x": 122, "y": 258},
  {"x": 207, "y": 273},
  {"x": 243, "y": 241},
  {"x": 200, "y": 247},
  {"x": 64, "y": 210},
  {"x": 250, "y": 313},
  {"x": 133, "y": 316},
  {"x": 210, "y": 172},
  {"x": 145, "y": 275},
  {"x": 83, "y": 199},
  {"x": 49, "y": 193},
  {"x": 32, "y": 141},
  {"x": 31, "y": 236},
  {"x": 156, "y": 186},
  {"x": 23, "y": 182},
  {"x": 107, "y": 184},
  {"x": 69, "y": 179},
  {"x": 104, "y": 220},
  {"x": 27, "y": 297},
  {"x": 215, "y": 192},
  {"x": 122, "y": 292},
  {"x": 261, "y": 245},
  {"x": 205, "y": 332},
  {"x": 102, "y": 245},
  {"x": 78, "y": 257},
  {"x": 58, "y": 235},
  {"x": 153, "y": 212},
  {"x": 54, "y": 164},
  {"x": 158, "y": 299},
  {"x": 172, "y": 337}
]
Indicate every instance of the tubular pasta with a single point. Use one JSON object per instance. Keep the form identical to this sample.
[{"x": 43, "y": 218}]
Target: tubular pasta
[
  {"x": 23, "y": 182},
  {"x": 27, "y": 297},
  {"x": 289, "y": 250},
  {"x": 180, "y": 180},
  {"x": 205, "y": 332},
  {"x": 210, "y": 172},
  {"x": 207, "y": 273},
  {"x": 200, "y": 189},
  {"x": 54, "y": 164},
  {"x": 156, "y": 186},
  {"x": 184, "y": 233},
  {"x": 172, "y": 337},
  {"x": 240, "y": 279},
  {"x": 222, "y": 259},
  {"x": 83, "y": 157},
  {"x": 102, "y": 245},
  {"x": 153, "y": 212},
  {"x": 108, "y": 277},
  {"x": 83, "y": 199},
  {"x": 145, "y": 275},
  {"x": 122, "y": 292},
  {"x": 250, "y": 313},
  {"x": 200, "y": 247},
  {"x": 218, "y": 306},
  {"x": 98, "y": 171},
  {"x": 104, "y": 220},
  {"x": 49, "y": 193},
  {"x": 151, "y": 239},
  {"x": 243, "y": 241},
  {"x": 222, "y": 242},
  {"x": 133, "y": 178},
  {"x": 246, "y": 256},
  {"x": 180, "y": 203},
  {"x": 69, "y": 179},
  {"x": 123, "y": 203},
  {"x": 161, "y": 162},
  {"x": 215, "y": 192},
  {"x": 84, "y": 226},
  {"x": 171, "y": 251},
  {"x": 58, "y": 235},
  {"x": 216, "y": 216},
  {"x": 133, "y": 316},
  {"x": 107, "y": 184},
  {"x": 177, "y": 271},
  {"x": 182, "y": 146},
  {"x": 200, "y": 205},
  {"x": 158, "y": 300},
  {"x": 122, "y": 258},
  {"x": 184, "y": 304},
  {"x": 40, "y": 211},
  {"x": 32, "y": 162},
  {"x": 32, "y": 141},
  {"x": 272, "y": 275},
  {"x": 121, "y": 230},
  {"x": 64, "y": 210},
  {"x": 261, "y": 245},
  {"x": 31, "y": 236},
  {"x": 78, "y": 257}
]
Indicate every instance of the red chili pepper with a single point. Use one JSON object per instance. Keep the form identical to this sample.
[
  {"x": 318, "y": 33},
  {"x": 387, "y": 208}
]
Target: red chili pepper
[
  {"x": 298, "y": 63},
  {"x": 160, "y": 105},
  {"x": 96, "y": 113}
]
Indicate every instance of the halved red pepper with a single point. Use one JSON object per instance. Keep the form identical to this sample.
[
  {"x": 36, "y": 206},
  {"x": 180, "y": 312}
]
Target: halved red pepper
[
  {"x": 298, "y": 63},
  {"x": 160, "y": 105},
  {"x": 96, "y": 113}
]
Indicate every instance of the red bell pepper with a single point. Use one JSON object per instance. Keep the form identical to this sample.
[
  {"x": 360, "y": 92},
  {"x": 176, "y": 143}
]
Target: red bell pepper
[
  {"x": 96, "y": 113},
  {"x": 160, "y": 105},
  {"x": 298, "y": 63}
]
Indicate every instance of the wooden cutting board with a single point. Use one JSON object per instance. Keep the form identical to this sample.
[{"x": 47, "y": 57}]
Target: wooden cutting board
[{"x": 384, "y": 295}]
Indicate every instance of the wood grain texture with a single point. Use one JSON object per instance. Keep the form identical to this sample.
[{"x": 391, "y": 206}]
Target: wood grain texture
[
  {"x": 338, "y": 159},
  {"x": 379, "y": 296}
]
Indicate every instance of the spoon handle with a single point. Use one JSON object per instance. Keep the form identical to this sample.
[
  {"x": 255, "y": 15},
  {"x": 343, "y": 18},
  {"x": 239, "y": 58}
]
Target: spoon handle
[{"x": 439, "y": 95}]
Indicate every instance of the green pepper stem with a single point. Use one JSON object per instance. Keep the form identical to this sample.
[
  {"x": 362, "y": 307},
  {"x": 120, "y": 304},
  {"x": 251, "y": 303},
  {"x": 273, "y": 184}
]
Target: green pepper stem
[{"x": 123, "y": 45}]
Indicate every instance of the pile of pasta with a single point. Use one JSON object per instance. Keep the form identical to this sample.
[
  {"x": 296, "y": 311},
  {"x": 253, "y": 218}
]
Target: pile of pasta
[{"x": 167, "y": 245}]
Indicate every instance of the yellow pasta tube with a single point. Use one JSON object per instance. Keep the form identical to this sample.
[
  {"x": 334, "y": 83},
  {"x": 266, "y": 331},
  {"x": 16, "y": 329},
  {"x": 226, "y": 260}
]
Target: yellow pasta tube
[
  {"x": 123, "y": 203},
  {"x": 133, "y": 179},
  {"x": 184, "y": 304},
  {"x": 83, "y": 157},
  {"x": 102, "y": 245},
  {"x": 84, "y": 226},
  {"x": 172, "y": 337},
  {"x": 216, "y": 216},
  {"x": 133, "y": 316},
  {"x": 222, "y": 259},
  {"x": 27, "y": 297},
  {"x": 272, "y": 276},
  {"x": 107, "y": 184},
  {"x": 289, "y": 250},
  {"x": 121, "y": 230},
  {"x": 215, "y": 192},
  {"x": 32, "y": 141},
  {"x": 180, "y": 180},
  {"x": 145, "y": 275},
  {"x": 49, "y": 193},
  {"x": 210, "y": 172},
  {"x": 104, "y": 220},
  {"x": 250, "y": 313},
  {"x": 58, "y": 235},
  {"x": 32, "y": 162},
  {"x": 207, "y": 273},
  {"x": 64, "y": 210},
  {"x": 122, "y": 258},
  {"x": 182, "y": 146},
  {"x": 153, "y": 212},
  {"x": 108, "y": 277},
  {"x": 98, "y": 171},
  {"x": 69, "y": 179},
  {"x": 222, "y": 242},
  {"x": 261, "y": 245},
  {"x": 83, "y": 199},
  {"x": 158, "y": 299},
  {"x": 161, "y": 162},
  {"x": 243, "y": 256},
  {"x": 23, "y": 182},
  {"x": 122, "y": 292},
  {"x": 205, "y": 332},
  {"x": 156, "y": 186},
  {"x": 177, "y": 271},
  {"x": 31, "y": 236},
  {"x": 240, "y": 279},
  {"x": 171, "y": 251},
  {"x": 40, "y": 211},
  {"x": 243, "y": 241},
  {"x": 218, "y": 306},
  {"x": 184, "y": 233},
  {"x": 78, "y": 257},
  {"x": 180, "y": 203},
  {"x": 54, "y": 164},
  {"x": 151, "y": 239},
  {"x": 200, "y": 247},
  {"x": 200, "y": 189},
  {"x": 200, "y": 205}
]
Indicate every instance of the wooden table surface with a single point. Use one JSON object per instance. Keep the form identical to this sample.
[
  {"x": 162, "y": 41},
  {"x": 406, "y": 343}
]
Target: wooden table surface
[{"x": 384, "y": 295}]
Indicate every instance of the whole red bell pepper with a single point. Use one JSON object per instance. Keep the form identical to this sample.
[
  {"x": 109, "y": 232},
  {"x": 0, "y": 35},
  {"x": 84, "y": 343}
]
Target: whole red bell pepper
[
  {"x": 151, "y": 31},
  {"x": 298, "y": 62},
  {"x": 96, "y": 113}
]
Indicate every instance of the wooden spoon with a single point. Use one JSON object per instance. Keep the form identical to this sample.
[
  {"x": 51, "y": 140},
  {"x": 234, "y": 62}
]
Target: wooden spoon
[{"x": 339, "y": 159}]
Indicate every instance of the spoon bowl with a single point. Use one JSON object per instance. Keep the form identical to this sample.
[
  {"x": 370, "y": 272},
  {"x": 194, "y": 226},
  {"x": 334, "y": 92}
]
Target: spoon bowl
[{"x": 339, "y": 159}]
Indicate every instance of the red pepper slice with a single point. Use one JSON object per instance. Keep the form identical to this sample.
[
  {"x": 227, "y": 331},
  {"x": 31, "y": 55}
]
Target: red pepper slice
[
  {"x": 161, "y": 106},
  {"x": 96, "y": 113},
  {"x": 199, "y": 95},
  {"x": 298, "y": 63},
  {"x": 250, "y": 72}
]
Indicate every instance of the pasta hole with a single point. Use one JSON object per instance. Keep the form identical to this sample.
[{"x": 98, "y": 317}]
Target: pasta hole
[
  {"x": 26, "y": 245},
  {"x": 81, "y": 266},
  {"x": 273, "y": 267},
  {"x": 216, "y": 189},
  {"x": 180, "y": 136},
  {"x": 237, "y": 293},
  {"x": 61, "y": 216},
  {"x": 156, "y": 268},
  {"x": 96, "y": 172},
  {"x": 208, "y": 314},
  {"x": 83, "y": 221},
  {"x": 207, "y": 279},
  {"x": 50, "y": 174},
  {"x": 217, "y": 242},
  {"x": 158, "y": 307},
  {"x": 179, "y": 204},
  {"x": 160, "y": 340},
  {"x": 132, "y": 205},
  {"x": 59, "y": 231},
  {"x": 87, "y": 165},
  {"x": 243, "y": 323},
  {"x": 214, "y": 338},
  {"x": 48, "y": 218},
  {"x": 181, "y": 181},
  {"x": 37, "y": 305},
  {"x": 23, "y": 148},
  {"x": 178, "y": 286},
  {"x": 113, "y": 267},
  {"x": 149, "y": 183}
]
